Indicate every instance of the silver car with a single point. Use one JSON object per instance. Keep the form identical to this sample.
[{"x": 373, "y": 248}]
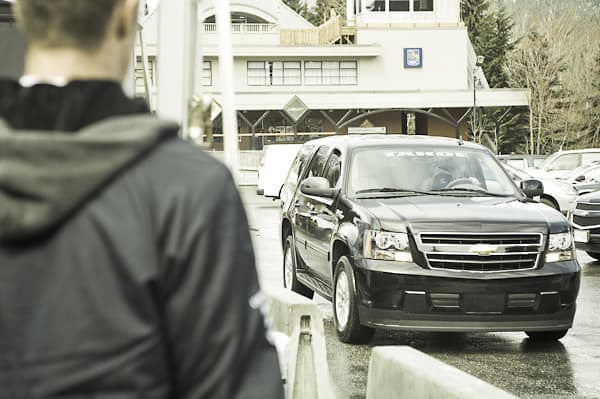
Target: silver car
[{"x": 557, "y": 194}]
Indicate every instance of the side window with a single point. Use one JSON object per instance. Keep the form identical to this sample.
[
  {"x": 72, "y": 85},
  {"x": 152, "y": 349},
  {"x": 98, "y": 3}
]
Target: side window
[
  {"x": 593, "y": 174},
  {"x": 318, "y": 162},
  {"x": 333, "y": 169},
  {"x": 298, "y": 165},
  {"x": 588, "y": 157},
  {"x": 565, "y": 162}
]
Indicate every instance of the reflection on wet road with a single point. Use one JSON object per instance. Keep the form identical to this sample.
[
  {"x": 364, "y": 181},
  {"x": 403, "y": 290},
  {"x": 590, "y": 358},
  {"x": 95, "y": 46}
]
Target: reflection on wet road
[{"x": 569, "y": 368}]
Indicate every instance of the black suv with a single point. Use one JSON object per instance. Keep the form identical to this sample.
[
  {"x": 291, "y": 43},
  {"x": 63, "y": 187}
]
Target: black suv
[
  {"x": 585, "y": 219},
  {"x": 424, "y": 233}
]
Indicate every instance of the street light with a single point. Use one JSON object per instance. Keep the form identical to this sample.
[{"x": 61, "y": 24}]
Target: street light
[{"x": 478, "y": 64}]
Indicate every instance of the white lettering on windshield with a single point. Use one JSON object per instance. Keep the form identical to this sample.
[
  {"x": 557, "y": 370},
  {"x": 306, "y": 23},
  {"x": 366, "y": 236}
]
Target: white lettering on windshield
[{"x": 426, "y": 154}]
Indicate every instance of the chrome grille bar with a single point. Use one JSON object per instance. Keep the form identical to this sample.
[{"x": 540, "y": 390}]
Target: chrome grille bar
[{"x": 481, "y": 252}]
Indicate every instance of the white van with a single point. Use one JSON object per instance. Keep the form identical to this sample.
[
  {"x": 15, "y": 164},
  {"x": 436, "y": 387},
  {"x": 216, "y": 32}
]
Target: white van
[
  {"x": 564, "y": 161},
  {"x": 274, "y": 164}
]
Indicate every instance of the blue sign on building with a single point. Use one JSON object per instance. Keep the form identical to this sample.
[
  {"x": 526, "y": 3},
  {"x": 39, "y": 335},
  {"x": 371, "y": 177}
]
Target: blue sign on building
[{"x": 413, "y": 57}]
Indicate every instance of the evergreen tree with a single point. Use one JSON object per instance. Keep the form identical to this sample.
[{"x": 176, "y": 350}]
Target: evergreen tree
[
  {"x": 297, "y": 5},
  {"x": 490, "y": 31}
]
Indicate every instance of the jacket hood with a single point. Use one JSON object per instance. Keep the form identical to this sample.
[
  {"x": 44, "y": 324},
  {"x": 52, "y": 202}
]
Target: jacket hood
[{"x": 45, "y": 177}]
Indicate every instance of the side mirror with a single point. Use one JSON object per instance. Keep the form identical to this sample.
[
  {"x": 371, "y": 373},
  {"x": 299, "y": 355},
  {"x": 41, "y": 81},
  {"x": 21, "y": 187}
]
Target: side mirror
[
  {"x": 580, "y": 178},
  {"x": 318, "y": 187},
  {"x": 532, "y": 188}
]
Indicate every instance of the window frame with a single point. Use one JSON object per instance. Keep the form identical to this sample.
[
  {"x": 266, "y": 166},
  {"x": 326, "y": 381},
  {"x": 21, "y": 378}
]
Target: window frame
[{"x": 339, "y": 76}]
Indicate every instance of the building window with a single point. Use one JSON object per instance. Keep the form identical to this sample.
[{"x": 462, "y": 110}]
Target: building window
[
  {"x": 139, "y": 74},
  {"x": 330, "y": 73},
  {"x": 274, "y": 73},
  {"x": 257, "y": 75},
  {"x": 207, "y": 73},
  {"x": 417, "y": 5},
  {"x": 399, "y": 5},
  {"x": 375, "y": 5},
  {"x": 423, "y": 5}
]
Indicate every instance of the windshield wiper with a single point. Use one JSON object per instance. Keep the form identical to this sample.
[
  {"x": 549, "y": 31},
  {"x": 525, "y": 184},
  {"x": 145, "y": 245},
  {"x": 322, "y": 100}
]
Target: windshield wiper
[
  {"x": 471, "y": 191},
  {"x": 394, "y": 190}
]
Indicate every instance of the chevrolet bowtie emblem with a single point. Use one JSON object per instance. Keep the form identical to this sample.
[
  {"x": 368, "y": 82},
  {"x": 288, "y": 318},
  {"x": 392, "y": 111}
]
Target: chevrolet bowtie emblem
[{"x": 483, "y": 250}]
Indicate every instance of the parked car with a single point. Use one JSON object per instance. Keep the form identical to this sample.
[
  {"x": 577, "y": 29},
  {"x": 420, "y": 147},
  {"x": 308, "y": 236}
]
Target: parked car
[
  {"x": 424, "y": 233},
  {"x": 564, "y": 161},
  {"x": 557, "y": 194},
  {"x": 585, "y": 219},
  {"x": 275, "y": 161},
  {"x": 585, "y": 178}
]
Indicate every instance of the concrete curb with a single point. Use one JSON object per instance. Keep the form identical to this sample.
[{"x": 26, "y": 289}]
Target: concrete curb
[
  {"x": 404, "y": 372},
  {"x": 305, "y": 359}
]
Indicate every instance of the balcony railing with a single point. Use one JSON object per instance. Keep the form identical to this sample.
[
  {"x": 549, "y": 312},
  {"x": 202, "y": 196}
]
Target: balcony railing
[
  {"x": 327, "y": 33},
  {"x": 244, "y": 28}
]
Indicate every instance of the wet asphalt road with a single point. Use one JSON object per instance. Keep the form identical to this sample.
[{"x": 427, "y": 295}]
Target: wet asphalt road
[{"x": 569, "y": 368}]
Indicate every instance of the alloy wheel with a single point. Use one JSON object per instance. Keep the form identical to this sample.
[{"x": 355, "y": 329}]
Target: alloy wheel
[
  {"x": 342, "y": 300},
  {"x": 288, "y": 272}
]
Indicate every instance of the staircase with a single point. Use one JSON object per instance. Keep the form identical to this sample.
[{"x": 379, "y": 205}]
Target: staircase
[{"x": 330, "y": 32}]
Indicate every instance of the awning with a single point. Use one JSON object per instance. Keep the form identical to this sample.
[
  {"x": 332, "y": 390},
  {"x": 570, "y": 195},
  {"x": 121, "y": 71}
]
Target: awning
[{"x": 348, "y": 99}]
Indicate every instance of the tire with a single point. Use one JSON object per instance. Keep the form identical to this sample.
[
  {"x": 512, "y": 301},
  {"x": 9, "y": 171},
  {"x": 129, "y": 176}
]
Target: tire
[
  {"x": 345, "y": 309},
  {"x": 550, "y": 202},
  {"x": 289, "y": 271},
  {"x": 595, "y": 255},
  {"x": 546, "y": 335}
]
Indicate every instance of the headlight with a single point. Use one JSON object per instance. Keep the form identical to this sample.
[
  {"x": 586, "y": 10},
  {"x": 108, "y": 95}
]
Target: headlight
[
  {"x": 385, "y": 245},
  {"x": 560, "y": 247}
]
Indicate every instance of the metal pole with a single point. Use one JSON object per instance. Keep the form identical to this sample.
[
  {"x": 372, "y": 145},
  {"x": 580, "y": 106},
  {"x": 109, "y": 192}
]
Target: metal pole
[
  {"x": 147, "y": 85},
  {"x": 230, "y": 128},
  {"x": 474, "y": 105}
]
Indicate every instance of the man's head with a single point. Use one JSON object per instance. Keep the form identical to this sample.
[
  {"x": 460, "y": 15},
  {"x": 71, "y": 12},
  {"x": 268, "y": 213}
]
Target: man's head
[{"x": 87, "y": 26}]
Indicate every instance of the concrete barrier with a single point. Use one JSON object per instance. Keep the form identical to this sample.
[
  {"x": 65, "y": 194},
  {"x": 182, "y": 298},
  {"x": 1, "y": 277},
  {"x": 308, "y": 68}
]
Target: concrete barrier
[
  {"x": 404, "y": 372},
  {"x": 305, "y": 367}
]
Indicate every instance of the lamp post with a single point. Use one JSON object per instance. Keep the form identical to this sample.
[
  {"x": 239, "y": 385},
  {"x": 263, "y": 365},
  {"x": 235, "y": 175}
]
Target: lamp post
[{"x": 478, "y": 64}]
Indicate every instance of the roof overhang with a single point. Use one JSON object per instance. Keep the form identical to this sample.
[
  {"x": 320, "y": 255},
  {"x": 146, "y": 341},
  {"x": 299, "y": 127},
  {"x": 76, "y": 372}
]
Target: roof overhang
[
  {"x": 345, "y": 99},
  {"x": 299, "y": 51}
]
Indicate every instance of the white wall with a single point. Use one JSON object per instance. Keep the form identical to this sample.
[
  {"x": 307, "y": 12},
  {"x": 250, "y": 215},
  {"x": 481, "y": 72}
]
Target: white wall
[
  {"x": 445, "y": 62},
  {"x": 12, "y": 48},
  {"x": 444, "y": 59},
  {"x": 288, "y": 19}
]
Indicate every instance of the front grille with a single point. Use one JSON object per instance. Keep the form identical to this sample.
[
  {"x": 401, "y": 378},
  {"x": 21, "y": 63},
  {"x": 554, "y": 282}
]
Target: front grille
[
  {"x": 586, "y": 220},
  {"x": 469, "y": 239},
  {"x": 481, "y": 252},
  {"x": 587, "y": 206}
]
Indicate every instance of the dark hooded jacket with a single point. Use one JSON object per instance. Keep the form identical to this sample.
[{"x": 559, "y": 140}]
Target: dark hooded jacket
[{"x": 126, "y": 267}]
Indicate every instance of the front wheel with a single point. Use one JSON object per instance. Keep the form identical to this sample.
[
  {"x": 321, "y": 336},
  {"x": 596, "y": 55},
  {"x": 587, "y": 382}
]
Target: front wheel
[
  {"x": 595, "y": 255},
  {"x": 289, "y": 271},
  {"x": 549, "y": 202},
  {"x": 546, "y": 335},
  {"x": 345, "y": 309}
]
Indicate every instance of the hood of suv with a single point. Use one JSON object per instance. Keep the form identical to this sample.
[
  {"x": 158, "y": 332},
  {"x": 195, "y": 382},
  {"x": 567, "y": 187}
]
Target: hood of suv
[{"x": 463, "y": 214}]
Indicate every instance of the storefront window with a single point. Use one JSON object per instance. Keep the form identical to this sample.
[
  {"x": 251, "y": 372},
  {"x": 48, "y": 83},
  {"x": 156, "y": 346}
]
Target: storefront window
[
  {"x": 375, "y": 5},
  {"x": 399, "y": 5},
  {"x": 423, "y": 5}
]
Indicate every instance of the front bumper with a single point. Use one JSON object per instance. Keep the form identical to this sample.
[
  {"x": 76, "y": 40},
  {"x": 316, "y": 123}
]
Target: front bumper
[
  {"x": 593, "y": 243},
  {"x": 431, "y": 300}
]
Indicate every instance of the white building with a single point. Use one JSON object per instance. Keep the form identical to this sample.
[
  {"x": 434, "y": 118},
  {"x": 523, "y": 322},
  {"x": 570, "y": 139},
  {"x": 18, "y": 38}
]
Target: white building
[{"x": 399, "y": 66}]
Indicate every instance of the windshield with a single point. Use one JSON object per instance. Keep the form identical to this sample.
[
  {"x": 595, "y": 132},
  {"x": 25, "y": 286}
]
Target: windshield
[
  {"x": 416, "y": 170},
  {"x": 580, "y": 171}
]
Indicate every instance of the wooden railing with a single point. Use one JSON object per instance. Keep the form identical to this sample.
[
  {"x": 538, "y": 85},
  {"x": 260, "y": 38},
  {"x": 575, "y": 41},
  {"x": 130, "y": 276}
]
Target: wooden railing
[
  {"x": 327, "y": 33},
  {"x": 244, "y": 28},
  {"x": 331, "y": 30}
]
